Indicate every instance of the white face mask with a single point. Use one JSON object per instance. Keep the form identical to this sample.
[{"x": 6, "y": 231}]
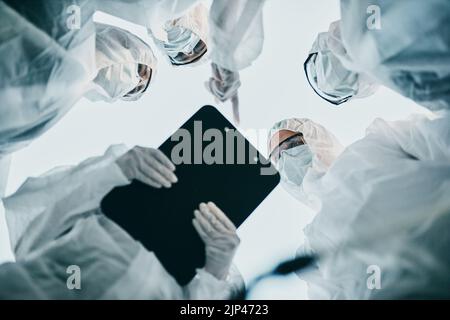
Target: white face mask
[
  {"x": 115, "y": 82},
  {"x": 180, "y": 39},
  {"x": 293, "y": 166},
  {"x": 183, "y": 46}
]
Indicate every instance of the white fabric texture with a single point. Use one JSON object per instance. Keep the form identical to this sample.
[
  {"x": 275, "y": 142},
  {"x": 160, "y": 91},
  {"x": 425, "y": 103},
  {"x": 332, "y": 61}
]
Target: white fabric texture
[
  {"x": 323, "y": 144},
  {"x": 410, "y": 60},
  {"x": 194, "y": 19},
  {"x": 325, "y": 149},
  {"x": 5, "y": 163},
  {"x": 236, "y": 33},
  {"x": 47, "y": 67},
  {"x": 118, "y": 53},
  {"x": 54, "y": 222},
  {"x": 328, "y": 73},
  {"x": 385, "y": 202}
]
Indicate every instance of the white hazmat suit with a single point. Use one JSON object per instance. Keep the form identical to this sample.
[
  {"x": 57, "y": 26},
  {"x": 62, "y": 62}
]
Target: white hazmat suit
[
  {"x": 384, "y": 206},
  {"x": 401, "y": 44}
]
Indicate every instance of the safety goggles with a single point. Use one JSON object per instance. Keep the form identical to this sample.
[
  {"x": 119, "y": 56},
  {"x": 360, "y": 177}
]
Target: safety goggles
[
  {"x": 145, "y": 73},
  {"x": 311, "y": 76},
  {"x": 195, "y": 55},
  {"x": 289, "y": 143}
]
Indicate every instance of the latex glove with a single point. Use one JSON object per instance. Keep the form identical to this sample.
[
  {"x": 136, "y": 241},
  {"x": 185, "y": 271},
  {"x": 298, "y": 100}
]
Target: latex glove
[
  {"x": 220, "y": 238},
  {"x": 149, "y": 166},
  {"x": 224, "y": 85}
]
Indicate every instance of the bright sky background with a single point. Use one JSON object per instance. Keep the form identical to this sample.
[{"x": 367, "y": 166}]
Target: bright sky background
[{"x": 274, "y": 88}]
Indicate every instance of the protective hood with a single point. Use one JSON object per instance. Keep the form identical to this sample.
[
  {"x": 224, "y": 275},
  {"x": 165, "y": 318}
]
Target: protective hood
[
  {"x": 118, "y": 54},
  {"x": 327, "y": 75},
  {"x": 301, "y": 167},
  {"x": 182, "y": 34},
  {"x": 324, "y": 146}
]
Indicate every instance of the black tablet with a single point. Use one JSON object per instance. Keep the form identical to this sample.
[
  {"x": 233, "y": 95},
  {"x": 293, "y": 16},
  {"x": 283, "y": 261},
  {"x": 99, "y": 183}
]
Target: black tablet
[{"x": 214, "y": 162}]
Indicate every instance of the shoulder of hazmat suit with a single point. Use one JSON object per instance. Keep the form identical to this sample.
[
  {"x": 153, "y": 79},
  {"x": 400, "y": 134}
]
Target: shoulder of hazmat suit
[
  {"x": 47, "y": 61},
  {"x": 236, "y": 31},
  {"x": 402, "y": 44},
  {"x": 54, "y": 223},
  {"x": 385, "y": 203}
]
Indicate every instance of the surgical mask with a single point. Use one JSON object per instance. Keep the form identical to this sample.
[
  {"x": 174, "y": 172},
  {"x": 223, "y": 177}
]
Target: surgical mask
[
  {"x": 183, "y": 46},
  {"x": 293, "y": 166},
  {"x": 114, "y": 82}
]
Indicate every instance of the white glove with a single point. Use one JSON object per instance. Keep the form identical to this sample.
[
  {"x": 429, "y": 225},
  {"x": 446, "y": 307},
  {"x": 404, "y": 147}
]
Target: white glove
[
  {"x": 149, "y": 166},
  {"x": 224, "y": 85},
  {"x": 220, "y": 238}
]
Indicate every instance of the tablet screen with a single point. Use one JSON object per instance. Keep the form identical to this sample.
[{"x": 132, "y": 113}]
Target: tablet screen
[{"x": 214, "y": 162}]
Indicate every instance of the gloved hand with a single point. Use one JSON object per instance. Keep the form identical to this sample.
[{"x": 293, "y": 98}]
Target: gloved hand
[
  {"x": 224, "y": 85},
  {"x": 149, "y": 166},
  {"x": 220, "y": 238}
]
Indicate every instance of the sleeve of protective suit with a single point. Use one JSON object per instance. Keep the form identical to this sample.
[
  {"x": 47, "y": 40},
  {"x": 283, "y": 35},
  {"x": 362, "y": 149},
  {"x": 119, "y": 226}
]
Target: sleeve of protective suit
[
  {"x": 144, "y": 12},
  {"x": 52, "y": 201},
  {"x": 206, "y": 286},
  {"x": 18, "y": 284},
  {"x": 421, "y": 137},
  {"x": 402, "y": 44},
  {"x": 236, "y": 32},
  {"x": 130, "y": 10}
]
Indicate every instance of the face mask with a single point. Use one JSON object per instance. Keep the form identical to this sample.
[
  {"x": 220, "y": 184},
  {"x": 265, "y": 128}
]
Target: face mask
[
  {"x": 183, "y": 46},
  {"x": 114, "y": 82},
  {"x": 294, "y": 164}
]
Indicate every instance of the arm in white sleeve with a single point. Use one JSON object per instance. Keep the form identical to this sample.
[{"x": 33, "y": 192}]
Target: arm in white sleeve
[
  {"x": 146, "y": 278},
  {"x": 236, "y": 31},
  {"x": 47, "y": 205},
  {"x": 131, "y": 10},
  {"x": 144, "y": 12},
  {"x": 420, "y": 136},
  {"x": 205, "y": 286}
]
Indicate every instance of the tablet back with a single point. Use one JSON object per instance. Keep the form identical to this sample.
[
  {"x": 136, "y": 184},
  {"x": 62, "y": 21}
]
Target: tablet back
[{"x": 214, "y": 163}]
